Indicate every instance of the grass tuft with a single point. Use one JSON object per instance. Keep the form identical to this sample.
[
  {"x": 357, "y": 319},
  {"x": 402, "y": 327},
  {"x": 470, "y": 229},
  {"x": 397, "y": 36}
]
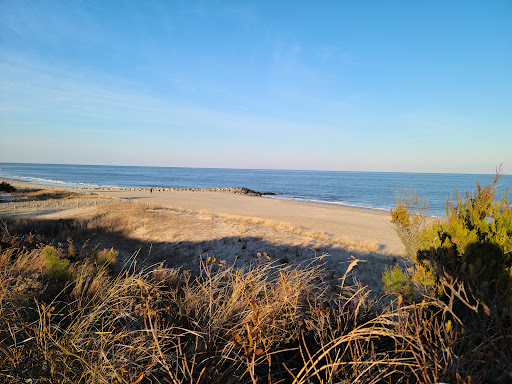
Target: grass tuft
[{"x": 57, "y": 267}]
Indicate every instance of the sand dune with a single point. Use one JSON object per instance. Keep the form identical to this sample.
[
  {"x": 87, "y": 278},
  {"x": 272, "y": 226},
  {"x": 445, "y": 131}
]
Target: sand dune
[{"x": 356, "y": 224}]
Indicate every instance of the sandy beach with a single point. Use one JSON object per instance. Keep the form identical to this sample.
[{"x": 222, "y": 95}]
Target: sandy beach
[
  {"x": 177, "y": 227},
  {"x": 355, "y": 224}
]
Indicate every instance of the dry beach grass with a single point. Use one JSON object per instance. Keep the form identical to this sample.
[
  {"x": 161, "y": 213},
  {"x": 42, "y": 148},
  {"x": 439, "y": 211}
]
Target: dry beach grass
[
  {"x": 260, "y": 323},
  {"x": 123, "y": 292}
]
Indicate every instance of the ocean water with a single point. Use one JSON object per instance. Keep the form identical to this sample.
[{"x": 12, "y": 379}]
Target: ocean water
[{"x": 376, "y": 190}]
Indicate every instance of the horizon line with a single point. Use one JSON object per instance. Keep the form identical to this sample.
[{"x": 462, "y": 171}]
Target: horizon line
[{"x": 259, "y": 169}]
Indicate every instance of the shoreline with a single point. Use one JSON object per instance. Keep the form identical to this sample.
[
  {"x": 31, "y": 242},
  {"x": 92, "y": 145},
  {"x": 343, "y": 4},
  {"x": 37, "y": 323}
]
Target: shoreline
[
  {"x": 233, "y": 190},
  {"x": 363, "y": 225}
]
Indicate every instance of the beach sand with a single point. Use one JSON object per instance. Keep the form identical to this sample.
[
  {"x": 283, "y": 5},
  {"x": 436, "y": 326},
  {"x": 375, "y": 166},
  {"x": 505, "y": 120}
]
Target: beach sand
[
  {"x": 356, "y": 224},
  {"x": 176, "y": 227}
]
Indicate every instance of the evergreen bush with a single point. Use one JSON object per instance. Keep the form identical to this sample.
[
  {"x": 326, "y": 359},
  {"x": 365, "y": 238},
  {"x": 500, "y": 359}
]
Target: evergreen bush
[
  {"x": 473, "y": 245},
  {"x": 56, "y": 267},
  {"x": 6, "y": 187}
]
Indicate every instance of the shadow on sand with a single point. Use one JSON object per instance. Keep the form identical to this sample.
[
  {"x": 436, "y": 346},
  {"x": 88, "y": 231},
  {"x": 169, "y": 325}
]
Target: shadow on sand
[{"x": 237, "y": 251}]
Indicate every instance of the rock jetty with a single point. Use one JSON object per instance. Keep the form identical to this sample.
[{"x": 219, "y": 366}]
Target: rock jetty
[{"x": 235, "y": 190}]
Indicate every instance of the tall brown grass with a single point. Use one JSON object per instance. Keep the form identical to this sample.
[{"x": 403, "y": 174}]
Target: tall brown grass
[
  {"x": 258, "y": 323},
  {"x": 82, "y": 316}
]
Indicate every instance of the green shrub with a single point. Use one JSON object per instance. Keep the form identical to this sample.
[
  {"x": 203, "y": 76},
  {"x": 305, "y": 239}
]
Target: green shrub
[
  {"x": 473, "y": 245},
  {"x": 412, "y": 283},
  {"x": 409, "y": 218},
  {"x": 6, "y": 187},
  {"x": 56, "y": 267},
  {"x": 422, "y": 277},
  {"x": 395, "y": 281},
  {"x": 106, "y": 258}
]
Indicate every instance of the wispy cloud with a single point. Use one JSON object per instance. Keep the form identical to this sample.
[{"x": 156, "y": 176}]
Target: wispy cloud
[{"x": 36, "y": 91}]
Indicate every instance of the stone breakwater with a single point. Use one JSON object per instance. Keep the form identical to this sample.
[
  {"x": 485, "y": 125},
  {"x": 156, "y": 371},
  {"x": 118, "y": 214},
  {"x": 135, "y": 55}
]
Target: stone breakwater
[{"x": 236, "y": 190}]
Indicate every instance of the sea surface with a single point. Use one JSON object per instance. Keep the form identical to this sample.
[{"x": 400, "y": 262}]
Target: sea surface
[{"x": 375, "y": 190}]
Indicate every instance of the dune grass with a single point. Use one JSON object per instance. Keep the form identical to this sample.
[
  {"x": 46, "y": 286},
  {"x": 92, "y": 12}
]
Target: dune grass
[
  {"x": 75, "y": 312},
  {"x": 263, "y": 322}
]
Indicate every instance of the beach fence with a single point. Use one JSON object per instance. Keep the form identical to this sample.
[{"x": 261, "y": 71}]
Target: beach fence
[{"x": 34, "y": 206}]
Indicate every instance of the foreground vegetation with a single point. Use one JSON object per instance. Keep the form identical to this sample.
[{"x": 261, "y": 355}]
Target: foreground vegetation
[
  {"x": 464, "y": 261},
  {"x": 69, "y": 312}
]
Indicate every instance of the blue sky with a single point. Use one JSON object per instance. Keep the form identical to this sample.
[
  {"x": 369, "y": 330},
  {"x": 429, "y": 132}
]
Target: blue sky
[{"x": 421, "y": 86}]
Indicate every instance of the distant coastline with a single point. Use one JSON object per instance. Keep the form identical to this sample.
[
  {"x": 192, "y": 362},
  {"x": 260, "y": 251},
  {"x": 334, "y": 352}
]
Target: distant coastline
[{"x": 368, "y": 190}]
